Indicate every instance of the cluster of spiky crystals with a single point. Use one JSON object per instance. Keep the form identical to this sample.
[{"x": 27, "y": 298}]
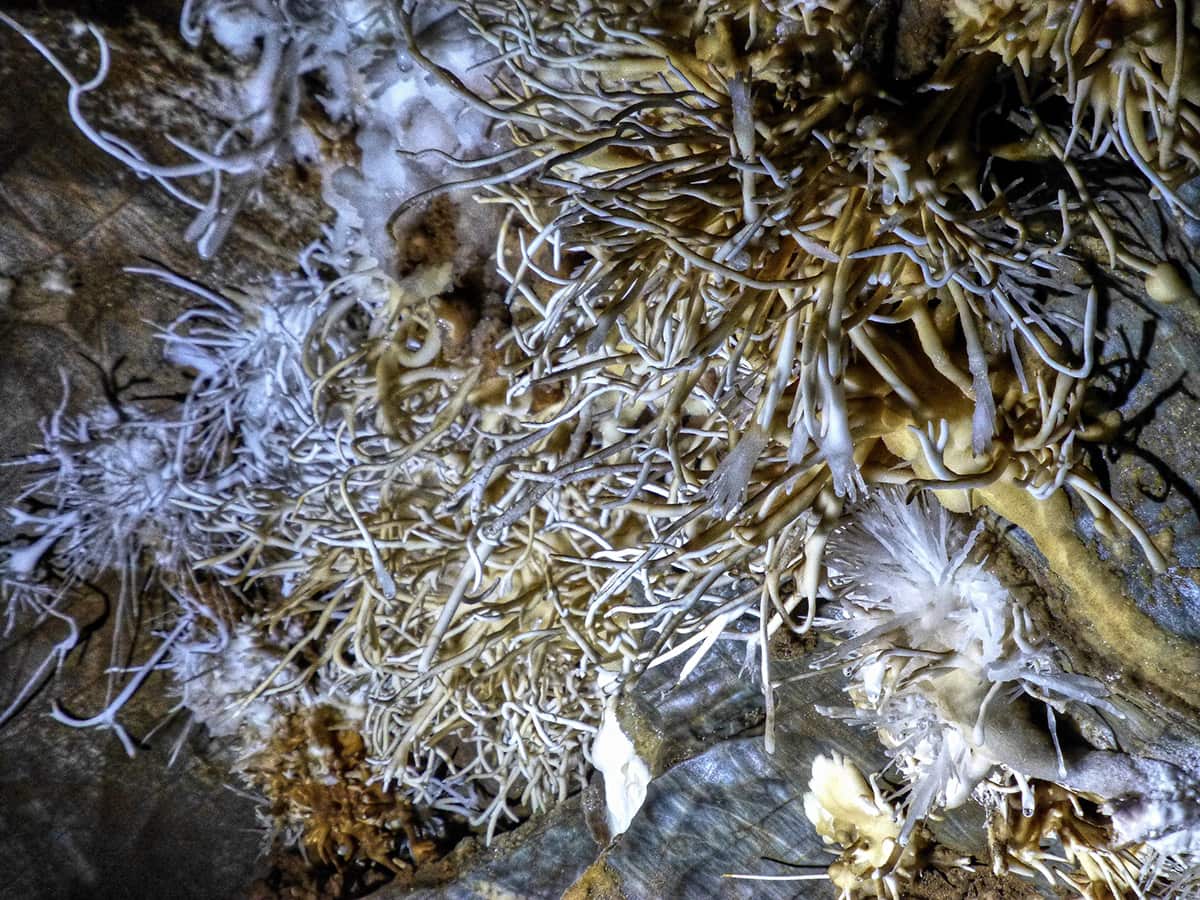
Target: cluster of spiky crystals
[
  {"x": 749, "y": 280},
  {"x": 776, "y": 279},
  {"x": 945, "y": 665}
]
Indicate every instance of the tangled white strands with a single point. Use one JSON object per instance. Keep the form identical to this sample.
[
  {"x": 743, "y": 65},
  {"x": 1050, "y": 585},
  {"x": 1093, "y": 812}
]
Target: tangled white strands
[
  {"x": 100, "y": 500},
  {"x": 281, "y": 469},
  {"x": 946, "y": 665},
  {"x": 931, "y": 641},
  {"x": 741, "y": 294},
  {"x": 343, "y": 44},
  {"x": 235, "y": 163},
  {"x": 722, "y": 252},
  {"x": 301, "y": 480}
]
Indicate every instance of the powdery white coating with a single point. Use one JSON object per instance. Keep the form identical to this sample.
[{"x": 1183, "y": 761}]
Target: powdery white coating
[
  {"x": 626, "y": 775},
  {"x": 214, "y": 680},
  {"x": 1166, "y": 818},
  {"x": 227, "y": 680},
  {"x": 238, "y": 685},
  {"x": 403, "y": 114},
  {"x": 56, "y": 279},
  {"x": 237, "y": 26}
]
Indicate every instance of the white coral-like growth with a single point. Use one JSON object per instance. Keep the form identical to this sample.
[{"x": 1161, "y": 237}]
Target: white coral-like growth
[
  {"x": 945, "y": 664},
  {"x": 938, "y": 649},
  {"x": 219, "y": 682}
]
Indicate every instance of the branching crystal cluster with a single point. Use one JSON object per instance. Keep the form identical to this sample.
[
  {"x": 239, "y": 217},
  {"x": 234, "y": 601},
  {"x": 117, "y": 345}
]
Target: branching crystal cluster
[
  {"x": 742, "y": 280},
  {"x": 947, "y": 667},
  {"x": 932, "y": 641}
]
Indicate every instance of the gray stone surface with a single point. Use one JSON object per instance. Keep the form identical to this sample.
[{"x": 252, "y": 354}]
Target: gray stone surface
[
  {"x": 77, "y": 817},
  {"x": 540, "y": 859}
]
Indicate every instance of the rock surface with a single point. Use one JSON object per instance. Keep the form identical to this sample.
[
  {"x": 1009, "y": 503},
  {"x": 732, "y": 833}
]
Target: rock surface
[{"x": 79, "y": 818}]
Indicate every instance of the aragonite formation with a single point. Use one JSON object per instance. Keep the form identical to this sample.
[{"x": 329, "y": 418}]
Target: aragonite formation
[{"x": 752, "y": 306}]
